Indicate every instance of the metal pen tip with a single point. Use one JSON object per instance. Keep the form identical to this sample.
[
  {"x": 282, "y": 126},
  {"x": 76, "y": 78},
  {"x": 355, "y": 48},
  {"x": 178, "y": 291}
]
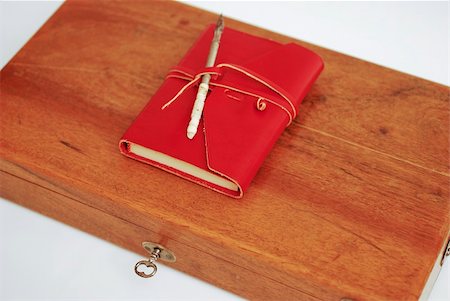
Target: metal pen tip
[{"x": 220, "y": 23}]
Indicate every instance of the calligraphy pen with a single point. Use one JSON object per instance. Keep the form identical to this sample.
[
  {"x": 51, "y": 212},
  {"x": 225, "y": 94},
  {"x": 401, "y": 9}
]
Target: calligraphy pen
[{"x": 203, "y": 88}]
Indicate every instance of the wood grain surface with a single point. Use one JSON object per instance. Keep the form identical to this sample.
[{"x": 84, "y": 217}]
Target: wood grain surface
[{"x": 353, "y": 201}]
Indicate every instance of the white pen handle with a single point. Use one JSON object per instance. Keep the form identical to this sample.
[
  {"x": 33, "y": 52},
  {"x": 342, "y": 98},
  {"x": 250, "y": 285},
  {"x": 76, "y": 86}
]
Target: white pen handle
[
  {"x": 199, "y": 103},
  {"x": 197, "y": 110}
]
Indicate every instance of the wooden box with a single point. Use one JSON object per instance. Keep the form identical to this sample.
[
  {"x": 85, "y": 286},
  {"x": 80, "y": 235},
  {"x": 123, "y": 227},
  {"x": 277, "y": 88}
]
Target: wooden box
[{"x": 353, "y": 201}]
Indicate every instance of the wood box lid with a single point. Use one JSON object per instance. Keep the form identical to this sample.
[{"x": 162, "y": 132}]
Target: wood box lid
[{"x": 352, "y": 202}]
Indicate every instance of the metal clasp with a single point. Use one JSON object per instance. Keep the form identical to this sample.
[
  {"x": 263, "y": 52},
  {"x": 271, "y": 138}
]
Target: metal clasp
[{"x": 156, "y": 252}]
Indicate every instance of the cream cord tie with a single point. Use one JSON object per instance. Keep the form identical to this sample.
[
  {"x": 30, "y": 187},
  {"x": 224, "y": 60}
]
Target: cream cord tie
[{"x": 260, "y": 105}]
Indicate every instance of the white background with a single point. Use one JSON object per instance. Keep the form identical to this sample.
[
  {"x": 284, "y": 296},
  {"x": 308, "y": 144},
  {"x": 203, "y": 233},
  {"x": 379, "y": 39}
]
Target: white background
[{"x": 44, "y": 259}]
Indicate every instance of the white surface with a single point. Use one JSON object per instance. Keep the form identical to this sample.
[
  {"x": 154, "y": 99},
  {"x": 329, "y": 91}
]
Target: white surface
[{"x": 64, "y": 263}]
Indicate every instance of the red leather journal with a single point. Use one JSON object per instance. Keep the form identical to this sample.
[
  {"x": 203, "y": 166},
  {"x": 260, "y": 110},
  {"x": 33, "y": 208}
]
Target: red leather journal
[{"x": 255, "y": 91}]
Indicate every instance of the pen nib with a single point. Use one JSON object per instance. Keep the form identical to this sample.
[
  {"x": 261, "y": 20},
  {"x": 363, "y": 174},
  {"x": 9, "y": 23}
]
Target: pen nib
[{"x": 219, "y": 24}]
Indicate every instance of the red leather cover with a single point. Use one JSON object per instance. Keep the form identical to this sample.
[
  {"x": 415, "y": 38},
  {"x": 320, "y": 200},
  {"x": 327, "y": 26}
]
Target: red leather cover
[{"x": 236, "y": 136}]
